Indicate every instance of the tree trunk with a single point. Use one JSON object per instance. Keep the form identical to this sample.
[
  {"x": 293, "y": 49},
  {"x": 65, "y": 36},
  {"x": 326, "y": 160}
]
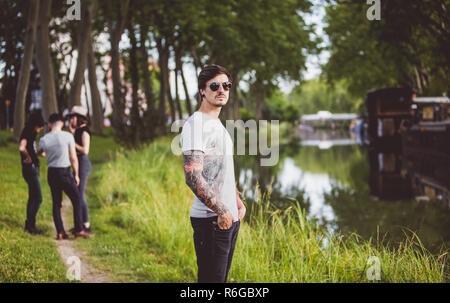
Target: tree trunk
[
  {"x": 62, "y": 96},
  {"x": 135, "y": 115},
  {"x": 148, "y": 83},
  {"x": 116, "y": 26},
  {"x": 88, "y": 13},
  {"x": 24, "y": 76},
  {"x": 150, "y": 116},
  {"x": 234, "y": 97},
  {"x": 173, "y": 114},
  {"x": 259, "y": 100},
  {"x": 163, "y": 61},
  {"x": 88, "y": 114},
  {"x": 177, "y": 96},
  {"x": 4, "y": 96},
  {"x": 97, "y": 108},
  {"x": 44, "y": 61},
  {"x": 186, "y": 92},
  {"x": 197, "y": 66}
]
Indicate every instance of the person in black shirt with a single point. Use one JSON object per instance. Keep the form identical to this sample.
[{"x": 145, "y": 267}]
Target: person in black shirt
[
  {"x": 78, "y": 127},
  {"x": 30, "y": 169}
]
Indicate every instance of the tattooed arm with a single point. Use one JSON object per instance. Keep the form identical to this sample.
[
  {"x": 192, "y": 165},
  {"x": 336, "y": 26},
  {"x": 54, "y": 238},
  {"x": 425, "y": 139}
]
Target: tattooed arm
[{"x": 193, "y": 168}]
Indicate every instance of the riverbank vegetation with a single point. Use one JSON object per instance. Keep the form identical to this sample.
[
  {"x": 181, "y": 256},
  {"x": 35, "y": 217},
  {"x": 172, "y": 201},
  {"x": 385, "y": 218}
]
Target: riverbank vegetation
[
  {"x": 141, "y": 209},
  {"x": 140, "y": 212}
]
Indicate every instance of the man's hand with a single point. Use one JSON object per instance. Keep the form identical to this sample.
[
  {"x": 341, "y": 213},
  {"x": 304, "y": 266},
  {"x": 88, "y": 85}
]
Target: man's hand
[
  {"x": 74, "y": 160},
  {"x": 225, "y": 221},
  {"x": 77, "y": 179},
  {"x": 241, "y": 213},
  {"x": 27, "y": 160},
  {"x": 240, "y": 206}
]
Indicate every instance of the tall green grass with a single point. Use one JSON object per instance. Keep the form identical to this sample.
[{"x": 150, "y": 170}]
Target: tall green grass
[
  {"x": 140, "y": 211},
  {"x": 24, "y": 258}
]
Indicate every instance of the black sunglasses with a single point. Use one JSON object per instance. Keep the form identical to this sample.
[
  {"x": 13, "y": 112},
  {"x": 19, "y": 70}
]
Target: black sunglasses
[{"x": 215, "y": 86}]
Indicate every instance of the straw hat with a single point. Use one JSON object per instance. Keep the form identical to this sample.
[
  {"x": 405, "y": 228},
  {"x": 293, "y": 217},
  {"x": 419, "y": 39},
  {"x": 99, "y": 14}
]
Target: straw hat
[{"x": 78, "y": 111}]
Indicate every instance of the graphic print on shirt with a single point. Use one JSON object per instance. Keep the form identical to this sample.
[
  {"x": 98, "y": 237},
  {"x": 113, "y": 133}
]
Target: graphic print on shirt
[{"x": 213, "y": 169}]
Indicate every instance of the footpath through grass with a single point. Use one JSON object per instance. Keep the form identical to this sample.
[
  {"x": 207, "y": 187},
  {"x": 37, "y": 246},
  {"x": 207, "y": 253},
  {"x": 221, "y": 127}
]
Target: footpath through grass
[
  {"x": 140, "y": 205},
  {"x": 26, "y": 258}
]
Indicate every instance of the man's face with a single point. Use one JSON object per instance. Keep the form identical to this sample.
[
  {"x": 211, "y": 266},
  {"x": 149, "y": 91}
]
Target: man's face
[{"x": 219, "y": 97}]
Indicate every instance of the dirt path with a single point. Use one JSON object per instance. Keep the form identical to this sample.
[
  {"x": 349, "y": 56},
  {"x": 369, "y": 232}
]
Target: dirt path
[{"x": 68, "y": 250}]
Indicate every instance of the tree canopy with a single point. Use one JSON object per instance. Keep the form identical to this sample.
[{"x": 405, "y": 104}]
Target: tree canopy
[
  {"x": 140, "y": 48},
  {"x": 408, "y": 46},
  {"x": 261, "y": 41}
]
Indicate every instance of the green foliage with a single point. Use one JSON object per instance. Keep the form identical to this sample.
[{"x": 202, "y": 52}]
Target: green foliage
[
  {"x": 278, "y": 47},
  {"x": 246, "y": 115},
  {"x": 409, "y": 46},
  {"x": 315, "y": 95},
  {"x": 277, "y": 107}
]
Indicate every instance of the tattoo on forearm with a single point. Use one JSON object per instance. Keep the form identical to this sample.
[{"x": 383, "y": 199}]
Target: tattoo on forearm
[{"x": 205, "y": 192}]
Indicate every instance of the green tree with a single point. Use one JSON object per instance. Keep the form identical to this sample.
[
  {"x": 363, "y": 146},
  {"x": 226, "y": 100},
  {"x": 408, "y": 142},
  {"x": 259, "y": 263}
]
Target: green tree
[
  {"x": 316, "y": 94},
  {"x": 25, "y": 67},
  {"x": 409, "y": 46}
]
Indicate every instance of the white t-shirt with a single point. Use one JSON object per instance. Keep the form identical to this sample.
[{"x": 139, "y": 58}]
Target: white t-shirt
[
  {"x": 204, "y": 133},
  {"x": 56, "y": 146}
]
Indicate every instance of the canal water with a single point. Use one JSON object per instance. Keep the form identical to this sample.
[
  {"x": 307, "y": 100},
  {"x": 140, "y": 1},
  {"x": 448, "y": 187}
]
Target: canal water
[{"x": 329, "y": 174}]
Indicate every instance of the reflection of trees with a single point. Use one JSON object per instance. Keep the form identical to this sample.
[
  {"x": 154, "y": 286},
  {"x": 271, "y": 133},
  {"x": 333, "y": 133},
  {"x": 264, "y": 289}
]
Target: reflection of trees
[
  {"x": 356, "y": 212},
  {"x": 265, "y": 178},
  {"x": 346, "y": 164}
]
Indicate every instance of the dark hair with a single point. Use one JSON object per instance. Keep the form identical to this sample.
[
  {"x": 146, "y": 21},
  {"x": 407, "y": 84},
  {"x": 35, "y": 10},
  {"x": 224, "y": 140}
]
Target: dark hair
[
  {"x": 82, "y": 120},
  {"x": 210, "y": 71},
  {"x": 35, "y": 120},
  {"x": 54, "y": 117}
]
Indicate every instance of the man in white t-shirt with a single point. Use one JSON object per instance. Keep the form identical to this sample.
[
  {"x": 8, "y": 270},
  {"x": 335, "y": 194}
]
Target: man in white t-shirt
[{"x": 208, "y": 164}]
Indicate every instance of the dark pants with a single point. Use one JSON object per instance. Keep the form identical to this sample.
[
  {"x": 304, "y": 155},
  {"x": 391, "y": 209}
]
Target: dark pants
[
  {"x": 31, "y": 174},
  {"x": 61, "y": 179},
  {"x": 214, "y": 248},
  {"x": 84, "y": 170}
]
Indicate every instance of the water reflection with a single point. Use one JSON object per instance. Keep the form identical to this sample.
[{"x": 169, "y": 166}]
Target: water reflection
[
  {"x": 356, "y": 211},
  {"x": 349, "y": 188}
]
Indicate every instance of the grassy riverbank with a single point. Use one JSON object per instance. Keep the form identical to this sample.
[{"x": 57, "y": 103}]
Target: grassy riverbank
[
  {"x": 26, "y": 258},
  {"x": 140, "y": 211},
  {"x": 140, "y": 205}
]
